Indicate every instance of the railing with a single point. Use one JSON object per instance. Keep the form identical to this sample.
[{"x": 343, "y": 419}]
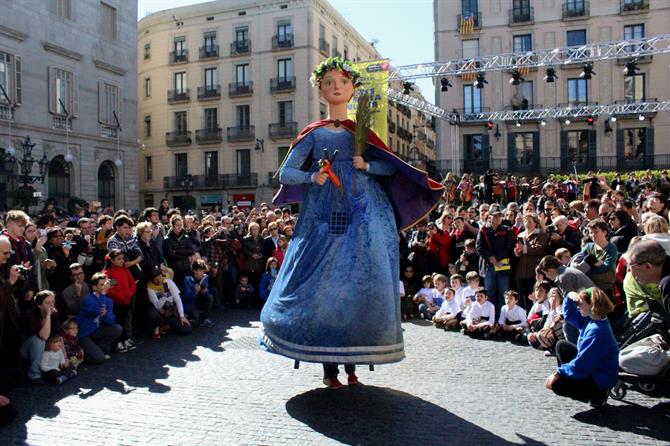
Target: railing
[
  {"x": 209, "y": 52},
  {"x": 634, "y": 101},
  {"x": 633, "y": 6},
  {"x": 61, "y": 123},
  {"x": 283, "y": 129},
  {"x": 576, "y": 9},
  {"x": 477, "y": 18},
  {"x": 522, "y": 106},
  {"x": 108, "y": 131},
  {"x": 471, "y": 114},
  {"x": 174, "y": 139},
  {"x": 284, "y": 41},
  {"x": 324, "y": 46},
  {"x": 208, "y": 136},
  {"x": 278, "y": 84},
  {"x": 6, "y": 112},
  {"x": 240, "y": 89},
  {"x": 220, "y": 181},
  {"x": 273, "y": 181},
  {"x": 247, "y": 133},
  {"x": 240, "y": 47},
  {"x": 179, "y": 96},
  {"x": 521, "y": 15},
  {"x": 179, "y": 57},
  {"x": 576, "y": 104},
  {"x": 209, "y": 92}
]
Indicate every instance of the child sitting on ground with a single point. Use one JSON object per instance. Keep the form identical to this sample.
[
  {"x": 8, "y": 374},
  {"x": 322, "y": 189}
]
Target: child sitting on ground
[
  {"x": 447, "y": 316},
  {"x": 433, "y": 302},
  {"x": 197, "y": 298},
  {"x": 55, "y": 367},
  {"x": 468, "y": 295},
  {"x": 540, "y": 306},
  {"x": 166, "y": 310},
  {"x": 552, "y": 330},
  {"x": 73, "y": 351},
  {"x": 480, "y": 317},
  {"x": 512, "y": 321},
  {"x": 456, "y": 282},
  {"x": 563, "y": 255}
]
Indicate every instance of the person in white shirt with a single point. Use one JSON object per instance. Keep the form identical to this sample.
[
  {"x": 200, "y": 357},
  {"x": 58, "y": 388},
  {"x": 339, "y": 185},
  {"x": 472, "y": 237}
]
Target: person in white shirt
[
  {"x": 54, "y": 365},
  {"x": 166, "y": 307},
  {"x": 512, "y": 321},
  {"x": 456, "y": 282},
  {"x": 448, "y": 315},
  {"x": 540, "y": 306},
  {"x": 481, "y": 316},
  {"x": 468, "y": 295},
  {"x": 552, "y": 331}
]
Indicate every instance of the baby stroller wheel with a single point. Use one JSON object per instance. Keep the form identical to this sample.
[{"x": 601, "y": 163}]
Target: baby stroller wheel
[
  {"x": 647, "y": 387},
  {"x": 618, "y": 392}
]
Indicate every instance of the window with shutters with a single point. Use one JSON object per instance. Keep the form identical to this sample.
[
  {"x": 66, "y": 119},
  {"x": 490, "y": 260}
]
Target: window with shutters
[
  {"x": 180, "y": 123},
  {"x": 578, "y": 147},
  {"x": 147, "y": 87},
  {"x": 107, "y": 21},
  {"x": 244, "y": 163},
  {"x": 147, "y": 126},
  {"x": 578, "y": 92},
  {"x": 149, "y": 168},
  {"x": 63, "y": 91},
  {"x": 109, "y": 103},
  {"x": 211, "y": 118},
  {"x": 285, "y": 113},
  {"x": 242, "y": 114},
  {"x": 10, "y": 79},
  {"x": 634, "y": 144},
  {"x": 633, "y": 88},
  {"x": 211, "y": 164},
  {"x": 147, "y": 51},
  {"x": 61, "y": 8},
  {"x": 181, "y": 164}
]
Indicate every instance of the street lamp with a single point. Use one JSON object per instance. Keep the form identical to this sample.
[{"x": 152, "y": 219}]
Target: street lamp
[{"x": 26, "y": 162}]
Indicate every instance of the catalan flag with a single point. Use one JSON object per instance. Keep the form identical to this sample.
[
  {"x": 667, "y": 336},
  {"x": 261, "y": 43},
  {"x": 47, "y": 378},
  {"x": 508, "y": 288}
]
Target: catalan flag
[
  {"x": 467, "y": 24},
  {"x": 471, "y": 75},
  {"x": 522, "y": 60}
]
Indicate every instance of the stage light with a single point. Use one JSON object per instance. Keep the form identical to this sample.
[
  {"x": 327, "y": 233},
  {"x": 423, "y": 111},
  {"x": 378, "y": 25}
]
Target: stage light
[
  {"x": 543, "y": 122},
  {"x": 631, "y": 68},
  {"x": 445, "y": 84},
  {"x": 516, "y": 78},
  {"x": 550, "y": 76},
  {"x": 567, "y": 122},
  {"x": 590, "y": 120},
  {"x": 407, "y": 87},
  {"x": 640, "y": 117},
  {"x": 481, "y": 80},
  {"x": 613, "y": 118},
  {"x": 517, "y": 123},
  {"x": 489, "y": 125},
  {"x": 587, "y": 71}
]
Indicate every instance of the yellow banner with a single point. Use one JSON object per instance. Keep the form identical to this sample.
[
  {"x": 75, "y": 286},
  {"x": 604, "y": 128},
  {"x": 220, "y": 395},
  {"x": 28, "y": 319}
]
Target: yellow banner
[{"x": 375, "y": 78}]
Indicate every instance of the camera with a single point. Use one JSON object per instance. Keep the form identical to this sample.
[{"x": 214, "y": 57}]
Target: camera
[
  {"x": 551, "y": 229},
  {"x": 23, "y": 271}
]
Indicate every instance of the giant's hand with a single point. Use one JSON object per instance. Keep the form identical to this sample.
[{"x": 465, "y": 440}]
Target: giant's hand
[{"x": 320, "y": 178}]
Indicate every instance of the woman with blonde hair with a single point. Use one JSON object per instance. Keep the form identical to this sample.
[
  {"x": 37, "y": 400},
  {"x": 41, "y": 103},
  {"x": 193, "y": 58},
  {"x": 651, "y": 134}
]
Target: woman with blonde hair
[
  {"x": 589, "y": 369},
  {"x": 656, "y": 228}
]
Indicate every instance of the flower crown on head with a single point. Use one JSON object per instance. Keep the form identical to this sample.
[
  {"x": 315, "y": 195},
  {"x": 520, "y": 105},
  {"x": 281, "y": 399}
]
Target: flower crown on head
[{"x": 335, "y": 63}]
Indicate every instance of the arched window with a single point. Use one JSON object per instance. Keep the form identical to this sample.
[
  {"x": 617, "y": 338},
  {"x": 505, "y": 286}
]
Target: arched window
[
  {"x": 59, "y": 181},
  {"x": 106, "y": 184}
]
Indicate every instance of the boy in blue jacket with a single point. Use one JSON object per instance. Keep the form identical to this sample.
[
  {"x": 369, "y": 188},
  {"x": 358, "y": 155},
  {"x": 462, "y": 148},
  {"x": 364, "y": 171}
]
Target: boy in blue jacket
[
  {"x": 97, "y": 327},
  {"x": 589, "y": 369},
  {"x": 197, "y": 297}
]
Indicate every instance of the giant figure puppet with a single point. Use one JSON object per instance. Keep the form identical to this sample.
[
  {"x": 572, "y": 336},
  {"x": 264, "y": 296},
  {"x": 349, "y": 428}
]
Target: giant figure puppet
[{"x": 336, "y": 298}]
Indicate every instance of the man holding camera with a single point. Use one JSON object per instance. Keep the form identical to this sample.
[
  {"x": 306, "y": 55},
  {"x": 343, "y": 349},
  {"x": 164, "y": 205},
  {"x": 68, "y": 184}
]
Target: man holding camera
[
  {"x": 21, "y": 252},
  {"x": 562, "y": 235}
]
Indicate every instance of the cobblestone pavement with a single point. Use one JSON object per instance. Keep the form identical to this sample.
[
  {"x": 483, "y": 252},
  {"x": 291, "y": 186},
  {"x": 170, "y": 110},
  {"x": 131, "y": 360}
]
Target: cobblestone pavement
[{"x": 217, "y": 387}]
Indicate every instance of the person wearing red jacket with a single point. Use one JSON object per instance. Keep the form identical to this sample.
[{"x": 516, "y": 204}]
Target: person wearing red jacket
[
  {"x": 440, "y": 246},
  {"x": 122, "y": 293}
]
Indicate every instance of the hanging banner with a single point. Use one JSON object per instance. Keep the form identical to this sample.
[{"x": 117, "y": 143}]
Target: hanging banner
[{"x": 375, "y": 79}]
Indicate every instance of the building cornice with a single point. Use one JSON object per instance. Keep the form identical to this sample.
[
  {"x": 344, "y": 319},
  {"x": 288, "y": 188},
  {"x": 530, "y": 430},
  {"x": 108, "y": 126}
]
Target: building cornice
[
  {"x": 61, "y": 51},
  {"x": 12, "y": 33},
  {"x": 102, "y": 65}
]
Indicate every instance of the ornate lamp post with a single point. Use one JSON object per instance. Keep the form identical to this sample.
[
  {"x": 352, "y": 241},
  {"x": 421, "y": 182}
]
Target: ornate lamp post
[{"x": 26, "y": 162}]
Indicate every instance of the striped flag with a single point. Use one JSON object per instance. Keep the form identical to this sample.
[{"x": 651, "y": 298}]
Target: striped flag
[
  {"x": 467, "y": 24},
  {"x": 522, "y": 60},
  {"x": 471, "y": 75}
]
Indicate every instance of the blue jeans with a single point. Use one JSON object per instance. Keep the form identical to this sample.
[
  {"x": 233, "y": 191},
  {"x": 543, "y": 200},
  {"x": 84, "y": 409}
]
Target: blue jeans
[
  {"x": 423, "y": 311},
  {"x": 496, "y": 284},
  {"x": 31, "y": 350}
]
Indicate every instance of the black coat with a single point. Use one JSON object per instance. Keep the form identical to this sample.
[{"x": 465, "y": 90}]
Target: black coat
[
  {"x": 178, "y": 249},
  {"x": 151, "y": 258},
  {"x": 268, "y": 247},
  {"x": 621, "y": 237},
  {"x": 59, "y": 277}
]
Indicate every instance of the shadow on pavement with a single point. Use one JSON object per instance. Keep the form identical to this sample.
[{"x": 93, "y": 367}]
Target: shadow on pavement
[
  {"x": 652, "y": 422},
  {"x": 378, "y": 415},
  {"x": 123, "y": 373}
]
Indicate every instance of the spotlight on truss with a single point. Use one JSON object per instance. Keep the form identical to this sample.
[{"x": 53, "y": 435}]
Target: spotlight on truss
[
  {"x": 550, "y": 76},
  {"x": 480, "y": 80},
  {"x": 407, "y": 86},
  {"x": 587, "y": 71},
  {"x": 631, "y": 68},
  {"x": 445, "y": 84},
  {"x": 516, "y": 78}
]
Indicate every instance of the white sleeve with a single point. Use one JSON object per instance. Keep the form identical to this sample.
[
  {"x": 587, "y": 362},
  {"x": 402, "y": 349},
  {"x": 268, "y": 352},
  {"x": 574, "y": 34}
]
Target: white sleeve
[
  {"x": 522, "y": 317},
  {"x": 177, "y": 298},
  {"x": 492, "y": 314},
  {"x": 44, "y": 364},
  {"x": 153, "y": 298},
  {"x": 443, "y": 309},
  {"x": 402, "y": 289},
  {"x": 503, "y": 316}
]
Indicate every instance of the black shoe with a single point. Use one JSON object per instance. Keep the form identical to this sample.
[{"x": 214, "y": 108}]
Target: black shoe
[{"x": 601, "y": 399}]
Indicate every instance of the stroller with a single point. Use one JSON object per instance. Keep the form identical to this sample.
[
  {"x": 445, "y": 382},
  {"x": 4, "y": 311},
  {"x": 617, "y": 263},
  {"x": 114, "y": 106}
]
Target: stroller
[{"x": 655, "y": 321}]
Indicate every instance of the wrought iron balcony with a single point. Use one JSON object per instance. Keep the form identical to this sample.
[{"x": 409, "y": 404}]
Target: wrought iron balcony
[
  {"x": 220, "y": 181},
  {"x": 209, "y": 92},
  {"x": 576, "y": 9},
  {"x": 236, "y": 89},
  {"x": 208, "y": 136},
  {"x": 240, "y": 47},
  {"x": 279, "y": 84},
  {"x": 209, "y": 52},
  {"x": 175, "y": 96},
  {"x": 285, "y": 41},
  {"x": 179, "y": 138},
  {"x": 273, "y": 181},
  {"x": 523, "y": 106},
  {"x": 178, "y": 57},
  {"x": 519, "y": 16},
  {"x": 576, "y": 104},
  {"x": 633, "y": 6},
  {"x": 241, "y": 133},
  {"x": 324, "y": 46},
  {"x": 471, "y": 114},
  {"x": 283, "y": 130}
]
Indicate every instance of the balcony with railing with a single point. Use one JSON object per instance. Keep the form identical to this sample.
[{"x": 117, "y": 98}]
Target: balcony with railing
[
  {"x": 282, "y": 84},
  {"x": 237, "y": 89},
  {"x": 177, "y": 57},
  {"x": 283, "y": 130},
  {"x": 203, "y": 182},
  {"x": 521, "y": 16},
  {"x": 633, "y": 6},
  {"x": 471, "y": 114},
  {"x": 273, "y": 181},
  {"x": 6, "y": 112},
  {"x": 209, "y": 52},
  {"x": 241, "y": 133},
  {"x": 240, "y": 47},
  {"x": 324, "y": 46},
  {"x": 575, "y": 10},
  {"x": 208, "y": 136},
  {"x": 282, "y": 42},
  {"x": 523, "y": 106},
  {"x": 576, "y": 104},
  {"x": 477, "y": 25},
  {"x": 178, "y": 138},
  {"x": 176, "y": 96},
  {"x": 209, "y": 92}
]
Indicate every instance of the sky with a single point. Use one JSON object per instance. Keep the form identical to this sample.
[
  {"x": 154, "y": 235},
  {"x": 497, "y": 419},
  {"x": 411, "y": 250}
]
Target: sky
[{"x": 403, "y": 29}]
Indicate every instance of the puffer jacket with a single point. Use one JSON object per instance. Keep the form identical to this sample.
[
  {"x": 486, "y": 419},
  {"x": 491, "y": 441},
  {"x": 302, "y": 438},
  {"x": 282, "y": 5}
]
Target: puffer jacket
[{"x": 177, "y": 250}]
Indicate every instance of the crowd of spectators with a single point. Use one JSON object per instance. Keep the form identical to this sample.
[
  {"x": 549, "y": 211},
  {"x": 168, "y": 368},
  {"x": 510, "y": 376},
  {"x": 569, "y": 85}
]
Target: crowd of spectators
[{"x": 496, "y": 259}]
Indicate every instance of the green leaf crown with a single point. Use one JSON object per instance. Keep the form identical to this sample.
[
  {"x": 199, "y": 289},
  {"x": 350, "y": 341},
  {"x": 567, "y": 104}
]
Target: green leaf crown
[{"x": 335, "y": 63}]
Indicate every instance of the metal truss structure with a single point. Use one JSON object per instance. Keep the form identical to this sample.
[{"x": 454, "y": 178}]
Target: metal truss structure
[{"x": 626, "y": 49}]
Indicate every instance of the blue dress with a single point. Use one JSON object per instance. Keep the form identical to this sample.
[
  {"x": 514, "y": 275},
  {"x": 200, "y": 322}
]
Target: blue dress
[{"x": 336, "y": 298}]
